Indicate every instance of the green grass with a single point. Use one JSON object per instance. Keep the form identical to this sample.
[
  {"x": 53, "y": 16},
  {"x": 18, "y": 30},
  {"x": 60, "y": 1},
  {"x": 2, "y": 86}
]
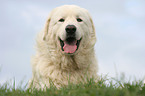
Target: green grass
[{"x": 104, "y": 87}]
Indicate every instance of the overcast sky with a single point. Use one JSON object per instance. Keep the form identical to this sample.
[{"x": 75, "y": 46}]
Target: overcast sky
[{"x": 120, "y": 29}]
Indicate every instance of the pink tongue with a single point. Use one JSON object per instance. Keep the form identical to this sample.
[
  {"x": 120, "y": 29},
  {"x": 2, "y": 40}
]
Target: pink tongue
[{"x": 69, "y": 48}]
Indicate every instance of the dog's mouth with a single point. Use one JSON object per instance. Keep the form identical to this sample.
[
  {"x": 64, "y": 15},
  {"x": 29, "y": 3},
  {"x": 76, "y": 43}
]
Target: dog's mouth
[{"x": 70, "y": 45}]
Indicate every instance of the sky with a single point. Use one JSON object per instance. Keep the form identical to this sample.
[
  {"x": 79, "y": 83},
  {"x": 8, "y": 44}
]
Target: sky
[{"x": 120, "y": 31}]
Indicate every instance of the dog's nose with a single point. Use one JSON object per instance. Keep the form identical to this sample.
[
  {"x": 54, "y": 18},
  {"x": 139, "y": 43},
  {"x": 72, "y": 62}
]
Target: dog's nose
[{"x": 70, "y": 29}]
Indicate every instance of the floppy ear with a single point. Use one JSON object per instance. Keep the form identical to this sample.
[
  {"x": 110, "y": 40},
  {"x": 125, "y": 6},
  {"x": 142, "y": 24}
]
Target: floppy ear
[
  {"x": 46, "y": 28},
  {"x": 47, "y": 24},
  {"x": 93, "y": 28},
  {"x": 93, "y": 32}
]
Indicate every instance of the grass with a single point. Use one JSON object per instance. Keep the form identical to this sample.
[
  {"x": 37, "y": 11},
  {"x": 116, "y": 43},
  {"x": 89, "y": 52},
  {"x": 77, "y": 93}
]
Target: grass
[{"x": 104, "y": 87}]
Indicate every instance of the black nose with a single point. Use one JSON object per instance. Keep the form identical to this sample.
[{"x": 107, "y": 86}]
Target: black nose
[{"x": 70, "y": 29}]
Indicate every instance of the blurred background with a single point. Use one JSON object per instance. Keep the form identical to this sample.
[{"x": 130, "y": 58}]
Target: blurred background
[{"x": 120, "y": 30}]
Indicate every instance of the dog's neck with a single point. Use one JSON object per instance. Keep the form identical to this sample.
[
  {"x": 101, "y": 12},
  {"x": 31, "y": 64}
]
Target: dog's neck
[{"x": 72, "y": 62}]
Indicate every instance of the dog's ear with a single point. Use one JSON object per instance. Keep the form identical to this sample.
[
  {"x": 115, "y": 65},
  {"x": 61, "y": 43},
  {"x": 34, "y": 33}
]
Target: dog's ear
[
  {"x": 46, "y": 28},
  {"x": 93, "y": 28},
  {"x": 92, "y": 31},
  {"x": 47, "y": 24}
]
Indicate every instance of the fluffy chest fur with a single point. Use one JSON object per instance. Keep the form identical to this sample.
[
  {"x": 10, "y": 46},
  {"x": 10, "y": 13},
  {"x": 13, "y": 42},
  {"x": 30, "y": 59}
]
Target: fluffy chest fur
[{"x": 62, "y": 69}]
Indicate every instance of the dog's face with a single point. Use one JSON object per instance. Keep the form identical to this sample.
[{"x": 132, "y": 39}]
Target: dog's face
[{"x": 71, "y": 27}]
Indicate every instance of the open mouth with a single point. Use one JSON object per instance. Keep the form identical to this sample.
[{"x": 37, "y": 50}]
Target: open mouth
[{"x": 70, "y": 45}]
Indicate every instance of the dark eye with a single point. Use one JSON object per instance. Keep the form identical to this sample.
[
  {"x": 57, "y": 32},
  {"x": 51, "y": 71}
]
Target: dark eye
[
  {"x": 79, "y": 20},
  {"x": 61, "y": 20}
]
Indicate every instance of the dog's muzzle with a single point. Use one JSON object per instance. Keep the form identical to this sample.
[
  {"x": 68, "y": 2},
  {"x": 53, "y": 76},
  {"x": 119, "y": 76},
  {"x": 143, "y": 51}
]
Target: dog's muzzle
[{"x": 70, "y": 44}]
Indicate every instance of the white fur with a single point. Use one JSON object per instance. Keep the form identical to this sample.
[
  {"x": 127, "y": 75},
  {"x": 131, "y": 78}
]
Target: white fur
[{"x": 51, "y": 64}]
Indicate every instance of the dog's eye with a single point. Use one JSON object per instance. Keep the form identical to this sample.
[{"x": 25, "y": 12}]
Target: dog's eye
[
  {"x": 61, "y": 20},
  {"x": 79, "y": 20}
]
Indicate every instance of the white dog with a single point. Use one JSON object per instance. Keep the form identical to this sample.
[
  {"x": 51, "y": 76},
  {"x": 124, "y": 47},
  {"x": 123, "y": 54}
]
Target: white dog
[{"x": 65, "y": 49}]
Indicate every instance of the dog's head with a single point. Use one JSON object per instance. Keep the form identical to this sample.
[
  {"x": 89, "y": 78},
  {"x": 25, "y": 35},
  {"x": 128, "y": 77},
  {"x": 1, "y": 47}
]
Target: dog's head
[{"x": 71, "y": 27}]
